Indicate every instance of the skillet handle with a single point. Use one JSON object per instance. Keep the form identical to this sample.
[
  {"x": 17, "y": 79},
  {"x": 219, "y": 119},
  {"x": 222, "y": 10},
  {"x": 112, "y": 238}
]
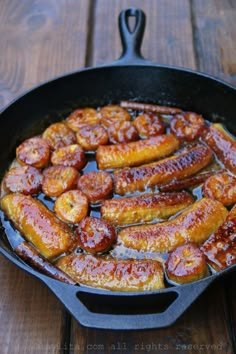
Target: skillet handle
[
  {"x": 131, "y": 39},
  {"x": 182, "y": 297}
]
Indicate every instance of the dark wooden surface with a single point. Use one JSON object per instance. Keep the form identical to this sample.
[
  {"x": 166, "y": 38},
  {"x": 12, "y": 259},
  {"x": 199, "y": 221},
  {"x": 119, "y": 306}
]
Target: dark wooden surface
[{"x": 40, "y": 39}]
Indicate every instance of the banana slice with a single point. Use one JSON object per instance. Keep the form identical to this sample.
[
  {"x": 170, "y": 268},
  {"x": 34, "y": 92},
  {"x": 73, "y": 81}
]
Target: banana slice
[
  {"x": 90, "y": 137},
  {"x": 71, "y": 206},
  {"x": 81, "y": 117},
  {"x": 186, "y": 264},
  {"x": 34, "y": 152},
  {"x": 149, "y": 124},
  {"x": 59, "y": 135},
  {"x": 187, "y": 126},
  {"x": 113, "y": 113},
  {"x": 59, "y": 179},
  {"x": 71, "y": 155},
  {"x": 95, "y": 235},
  {"x": 96, "y": 185},
  {"x": 122, "y": 132},
  {"x": 23, "y": 179},
  {"x": 221, "y": 187}
]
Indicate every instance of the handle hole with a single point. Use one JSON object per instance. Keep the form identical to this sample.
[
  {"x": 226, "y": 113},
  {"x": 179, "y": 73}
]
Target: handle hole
[
  {"x": 127, "y": 305},
  {"x": 132, "y": 23}
]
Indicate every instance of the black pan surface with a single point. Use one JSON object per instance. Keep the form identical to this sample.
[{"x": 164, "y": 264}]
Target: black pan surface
[{"x": 130, "y": 77}]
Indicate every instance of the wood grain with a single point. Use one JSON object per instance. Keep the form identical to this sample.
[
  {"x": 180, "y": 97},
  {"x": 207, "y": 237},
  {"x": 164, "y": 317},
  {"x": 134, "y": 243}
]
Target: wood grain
[
  {"x": 40, "y": 40},
  {"x": 214, "y": 30},
  {"x": 214, "y": 33},
  {"x": 230, "y": 295},
  {"x": 31, "y": 319},
  {"x": 168, "y": 37}
]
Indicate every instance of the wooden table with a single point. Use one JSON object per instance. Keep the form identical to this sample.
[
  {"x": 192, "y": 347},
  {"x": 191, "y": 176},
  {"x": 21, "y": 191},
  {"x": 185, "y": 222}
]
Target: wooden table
[{"x": 40, "y": 39}]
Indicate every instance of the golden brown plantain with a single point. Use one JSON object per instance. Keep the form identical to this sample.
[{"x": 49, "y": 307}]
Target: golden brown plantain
[
  {"x": 220, "y": 248},
  {"x": 112, "y": 274},
  {"x": 23, "y": 179},
  {"x": 113, "y": 113},
  {"x": 187, "y": 126},
  {"x": 186, "y": 264},
  {"x": 59, "y": 135},
  {"x": 221, "y": 187},
  {"x": 223, "y": 144},
  {"x": 196, "y": 224},
  {"x": 95, "y": 235},
  {"x": 176, "y": 167},
  {"x": 149, "y": 124},
  {"x": 34, "y": 151},
  {"x": 137, "y": 152},
  {"x": 71, "y": 206},
  {"x": 38, "y": 224},
  {"x": 144, "y": 208}
]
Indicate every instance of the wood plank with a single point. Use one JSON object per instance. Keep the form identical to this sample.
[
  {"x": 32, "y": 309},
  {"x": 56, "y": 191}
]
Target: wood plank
[
  {"x": 169, "y": 40},
  {"x": 230, "y": 292},
  {"x": 38, "y": 40},
  {"x": 31, "y": 318},
  {"x": 168, "y": 37},
  {"x": 232, "y": 307},
  {"x": 215, "y": 31}
]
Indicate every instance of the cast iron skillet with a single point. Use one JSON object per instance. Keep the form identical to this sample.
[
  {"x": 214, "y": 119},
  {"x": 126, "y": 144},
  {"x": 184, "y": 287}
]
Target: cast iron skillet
[{"x": 130, "y": 77}]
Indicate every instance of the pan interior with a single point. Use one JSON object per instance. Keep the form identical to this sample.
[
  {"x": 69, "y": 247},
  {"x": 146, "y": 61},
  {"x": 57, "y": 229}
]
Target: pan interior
[{"x": 53, "y": 101}]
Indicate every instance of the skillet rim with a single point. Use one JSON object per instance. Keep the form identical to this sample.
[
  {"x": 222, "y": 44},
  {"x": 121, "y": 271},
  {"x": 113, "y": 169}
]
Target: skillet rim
[{"x": 118, "y": 64}]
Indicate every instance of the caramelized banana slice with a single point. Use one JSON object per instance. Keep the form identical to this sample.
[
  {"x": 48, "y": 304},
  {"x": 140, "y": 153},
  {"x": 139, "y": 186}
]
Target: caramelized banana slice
[
  {"x": 187, "y": 126},
  {"x": 195, "y": 224},
  {"x": 112, "y": 274},
  {"x": 59, "y": 135},
  {"x": 81, "y": 117},
  {"x": 221, "y": 187},
  {"x": 176, "y": 167},
  {"x": 149, "y": 124},
  {"x": 95, "y": 235},
  {"x": 121, "y": 132},
  {"x": 96, "y": 185},
  {"x": 38, "y": 224},
  {"x": 71, "y": 155},
  {"x": 91, "y": 136},
  {"x": 144, "y": 208},
  {"x": 34, "y": 152},
  {"x": 112, "y": 113},
  {"x": 59, "y": 179},
  {"x": 223, "y": 144},
  {"x": 220, "y": 248},
  {"x": 23, "y": 179},
  {"x": 136, "y": 153},
  {"x": 186, "y": 264},
  {"x": 71, "y": 206}
]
